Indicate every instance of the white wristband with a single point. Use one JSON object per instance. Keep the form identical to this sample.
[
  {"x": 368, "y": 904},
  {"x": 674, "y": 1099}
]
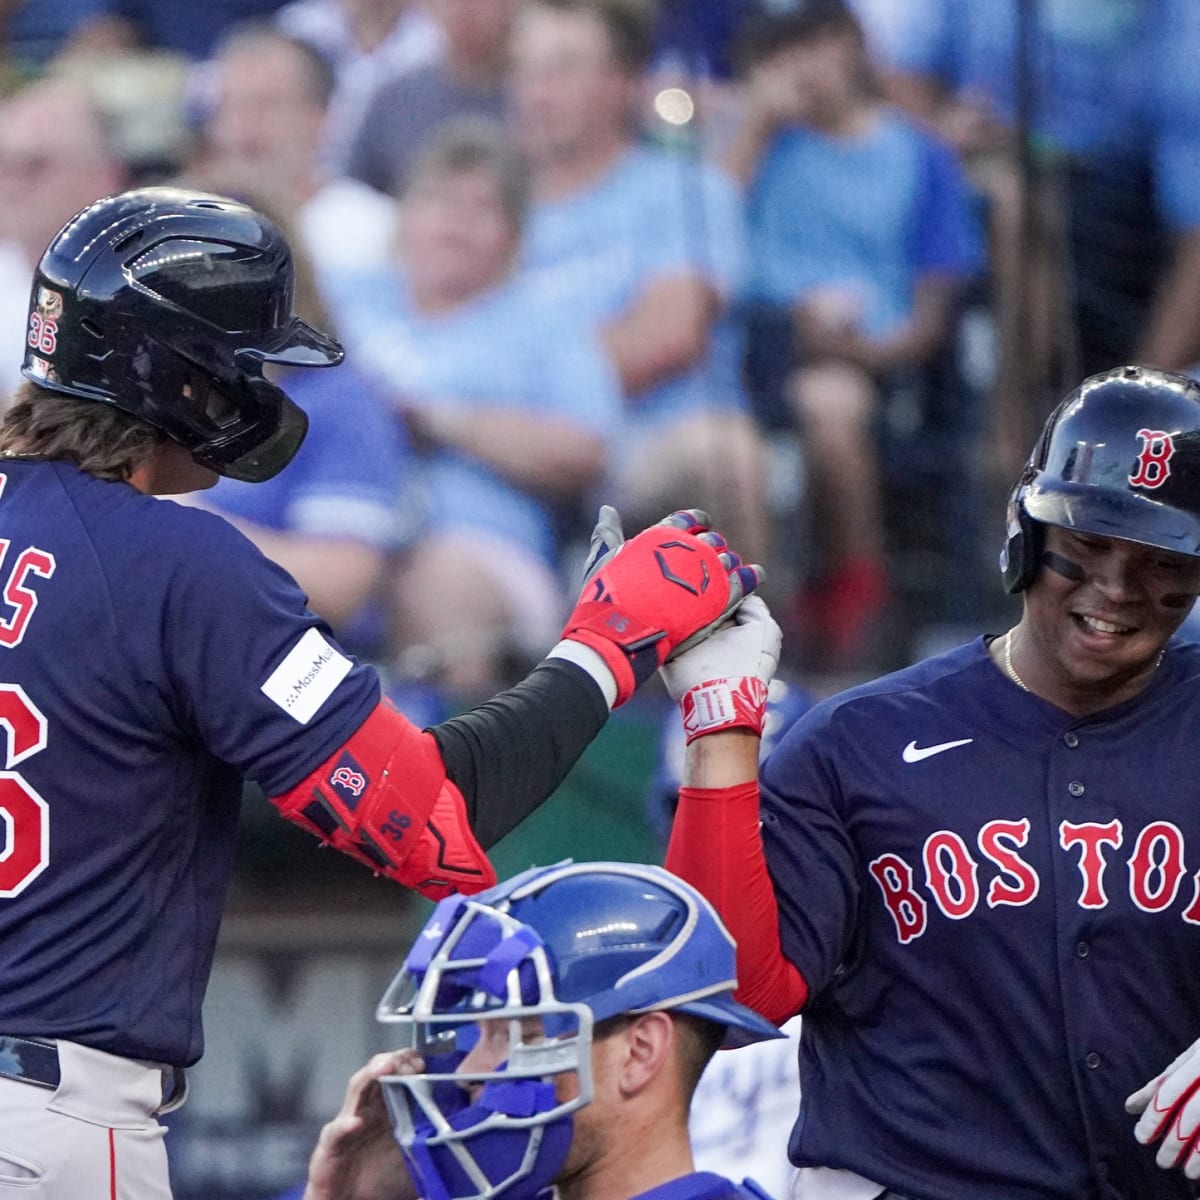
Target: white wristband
[{"x": 590, "y": 661}]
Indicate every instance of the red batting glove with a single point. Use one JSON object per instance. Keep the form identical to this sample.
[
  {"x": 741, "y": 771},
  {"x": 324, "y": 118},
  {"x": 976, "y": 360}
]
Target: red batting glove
[{"x": 650, "y": 598}]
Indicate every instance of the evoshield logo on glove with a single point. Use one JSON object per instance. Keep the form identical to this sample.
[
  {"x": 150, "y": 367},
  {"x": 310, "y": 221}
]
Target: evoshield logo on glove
[
  {"x": 626, "y": 612},
  {"x": 670, "y": 575}
]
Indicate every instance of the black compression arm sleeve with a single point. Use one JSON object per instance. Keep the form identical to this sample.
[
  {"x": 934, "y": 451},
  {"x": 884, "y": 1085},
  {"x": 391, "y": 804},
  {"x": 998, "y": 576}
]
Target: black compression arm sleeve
[{"x": 507, "y": 756}]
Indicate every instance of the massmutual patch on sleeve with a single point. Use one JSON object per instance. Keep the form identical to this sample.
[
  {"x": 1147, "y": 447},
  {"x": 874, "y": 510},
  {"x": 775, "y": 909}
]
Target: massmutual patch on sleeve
[{"x": 307, "y": 677}]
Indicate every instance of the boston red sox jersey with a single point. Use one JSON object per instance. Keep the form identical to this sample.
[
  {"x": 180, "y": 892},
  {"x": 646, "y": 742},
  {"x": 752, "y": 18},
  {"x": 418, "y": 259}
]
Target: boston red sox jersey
[
  {"x": 996, "y": 906},
  {"x": 150, "y": 657}
]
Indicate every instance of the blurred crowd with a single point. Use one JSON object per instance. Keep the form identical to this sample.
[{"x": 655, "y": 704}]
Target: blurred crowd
[{"x": 818, "y": 266}]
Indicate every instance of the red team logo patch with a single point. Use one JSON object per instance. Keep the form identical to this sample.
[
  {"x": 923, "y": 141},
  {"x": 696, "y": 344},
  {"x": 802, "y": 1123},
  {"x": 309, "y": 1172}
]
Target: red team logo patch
[
  {"x": 349, "y": 781},
  {"x": 352, "y": 781},
  {"x": 1154, "y": 462}
]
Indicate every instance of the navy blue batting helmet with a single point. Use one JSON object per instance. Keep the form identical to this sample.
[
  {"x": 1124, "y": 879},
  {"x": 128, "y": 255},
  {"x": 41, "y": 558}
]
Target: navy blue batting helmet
[
  {"x": 1119, "y": 457},
  {"x": 167, "y": 303}
]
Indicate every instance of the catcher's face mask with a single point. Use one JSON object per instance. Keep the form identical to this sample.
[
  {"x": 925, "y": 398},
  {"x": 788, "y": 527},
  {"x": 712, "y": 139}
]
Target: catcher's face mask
[
  {"x": 506, "y": 1063},
  {"x": 501, "y": 994}
]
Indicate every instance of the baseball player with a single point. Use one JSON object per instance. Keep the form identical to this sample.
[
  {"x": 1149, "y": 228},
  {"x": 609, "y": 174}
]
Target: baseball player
[
  {"x": 979, "y": 877},
  {"x": 152, "y": 659},
  {"x": 555, "y": 1029}
]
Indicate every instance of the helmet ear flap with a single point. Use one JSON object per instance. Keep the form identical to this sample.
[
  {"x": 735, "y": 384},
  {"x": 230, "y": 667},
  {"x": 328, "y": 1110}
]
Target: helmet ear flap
[{"x": 1022, "y": 551}]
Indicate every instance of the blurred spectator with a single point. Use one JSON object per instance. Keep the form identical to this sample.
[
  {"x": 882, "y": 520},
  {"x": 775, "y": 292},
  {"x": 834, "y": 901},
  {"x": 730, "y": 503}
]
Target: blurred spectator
[
  {"x": 333, "y": 518},
  {"x": 57, "y": 155},
  {"x": 646, "y": 246},
  {"x": 33, "y": 33},
  {"x": 142, "y": 95},
  {"x": 861, "y": 228},
  {"x": 468, "y": 78},
  {"x": 508, "y": 407},
  {"x": 1105, "y": 100},
  {"x": 268, "y": 95},
  {"x": 365, "y": 42},
  {"x": 1026, "y": 273},
  {"x": 187, "y": 27},
  {"x": 335, "y": 521}
]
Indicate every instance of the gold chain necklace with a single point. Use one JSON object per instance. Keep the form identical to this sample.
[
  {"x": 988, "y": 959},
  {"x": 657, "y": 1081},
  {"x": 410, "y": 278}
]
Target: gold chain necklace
[{"x": 1011, "y": 671}]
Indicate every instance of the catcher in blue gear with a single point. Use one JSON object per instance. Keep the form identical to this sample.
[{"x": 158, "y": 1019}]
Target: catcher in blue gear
[{"x": 556, "y": 1026}]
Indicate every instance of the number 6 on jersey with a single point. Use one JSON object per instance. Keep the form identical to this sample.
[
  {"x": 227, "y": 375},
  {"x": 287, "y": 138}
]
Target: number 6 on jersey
[{"x": 24, "y": 815}]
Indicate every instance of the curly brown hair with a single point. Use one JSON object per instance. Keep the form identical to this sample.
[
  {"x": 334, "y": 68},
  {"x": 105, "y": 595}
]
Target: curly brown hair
[{"x": 98, "y": 438}]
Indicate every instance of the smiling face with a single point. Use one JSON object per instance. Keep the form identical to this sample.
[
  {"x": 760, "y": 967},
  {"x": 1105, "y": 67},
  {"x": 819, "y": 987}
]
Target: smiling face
[{"x": 1097, "y": 616}]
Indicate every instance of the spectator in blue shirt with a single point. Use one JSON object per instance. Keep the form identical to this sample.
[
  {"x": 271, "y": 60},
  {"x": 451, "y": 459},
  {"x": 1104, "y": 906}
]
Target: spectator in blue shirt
[
  {"x": 646, "y": 247},
  {"x": 1113, "y": 109},
  {"x": 508, "y": 405},
  {"x": 335, "y": 517},
  {"x": 861, "y": 228}
]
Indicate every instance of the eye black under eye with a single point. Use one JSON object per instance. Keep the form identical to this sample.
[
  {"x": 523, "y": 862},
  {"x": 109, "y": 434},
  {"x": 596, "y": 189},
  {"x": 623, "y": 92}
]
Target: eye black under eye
[{"x": 1166, "y": 564}]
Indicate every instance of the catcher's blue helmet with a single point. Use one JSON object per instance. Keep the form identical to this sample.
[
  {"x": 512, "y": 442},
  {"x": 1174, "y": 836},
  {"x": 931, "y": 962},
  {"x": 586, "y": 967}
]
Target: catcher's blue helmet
[
  {"x": 1119, "y": 457},
  {"x": 567, "y": 946},
  {"x": 166, "y": 303}
]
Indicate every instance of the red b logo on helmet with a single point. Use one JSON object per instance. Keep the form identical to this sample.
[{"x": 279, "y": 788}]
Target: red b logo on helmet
[{"x": 1154, "y": 462}]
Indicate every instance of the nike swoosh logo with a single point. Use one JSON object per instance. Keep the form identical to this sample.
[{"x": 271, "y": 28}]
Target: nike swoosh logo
[{"x": 913, "y": 753}]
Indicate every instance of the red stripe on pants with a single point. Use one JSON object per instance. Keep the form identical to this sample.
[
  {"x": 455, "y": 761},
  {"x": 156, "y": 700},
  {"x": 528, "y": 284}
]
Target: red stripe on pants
[{"x": 112, "y": 1166}]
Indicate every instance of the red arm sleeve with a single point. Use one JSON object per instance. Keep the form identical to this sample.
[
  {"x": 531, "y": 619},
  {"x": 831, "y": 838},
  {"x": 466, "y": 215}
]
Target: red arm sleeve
[
  {"x": 383, "y": 798},
  {"x": 717, "y": 847}
]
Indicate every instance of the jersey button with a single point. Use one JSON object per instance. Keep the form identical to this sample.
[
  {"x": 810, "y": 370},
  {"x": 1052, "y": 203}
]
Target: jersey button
[
  {"x": 1082, "y": 950},
  {"x": 1075, "y": 787},
  {"x": 1072, "y": 739},
  {"x": 1093, "y": 1060}
]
